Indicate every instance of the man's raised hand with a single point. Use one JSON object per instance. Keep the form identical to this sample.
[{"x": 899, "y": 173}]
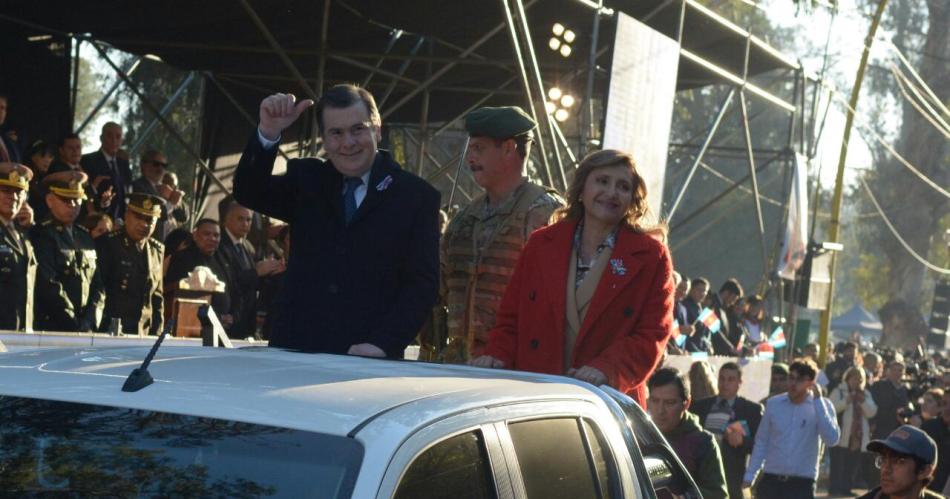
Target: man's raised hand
[{"x": 278, "y": 112}]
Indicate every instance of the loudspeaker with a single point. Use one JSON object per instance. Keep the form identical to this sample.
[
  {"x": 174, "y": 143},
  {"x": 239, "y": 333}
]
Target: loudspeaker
[{"x": 812, "y": 281}]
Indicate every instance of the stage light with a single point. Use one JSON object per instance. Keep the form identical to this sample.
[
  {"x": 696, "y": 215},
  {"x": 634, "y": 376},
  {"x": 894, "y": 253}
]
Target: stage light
[
  {"x": 562, "y": 39},
  {"x": 550, "y": 107},
  {"x": 569, "y": 36},
  {"x": 557, "y": 29},
  {"x": 554, "y": 93},
  {"x": 565, "y": 50},
  {"x": 554, "y": 43},
  {"x": 561, "y": 115},
  {"x": 567, "y": 100}
]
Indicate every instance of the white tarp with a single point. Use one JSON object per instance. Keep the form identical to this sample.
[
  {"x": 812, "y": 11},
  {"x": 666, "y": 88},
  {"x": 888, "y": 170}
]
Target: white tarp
[
  {"x": 640, "y": 100},
  {"x": 795, "y": 243}
]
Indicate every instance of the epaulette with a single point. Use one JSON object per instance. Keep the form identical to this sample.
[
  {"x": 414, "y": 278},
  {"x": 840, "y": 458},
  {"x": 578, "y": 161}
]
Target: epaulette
[
  {"x": 81, "y": 228},
  {"x": 156, "y": 243},
  {"x": 550, "y": 198},
  {"x": 46, "y": 223}
]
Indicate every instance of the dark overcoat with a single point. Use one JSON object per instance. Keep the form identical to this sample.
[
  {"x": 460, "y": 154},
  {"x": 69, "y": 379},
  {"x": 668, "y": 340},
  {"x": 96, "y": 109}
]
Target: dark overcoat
[{"x": 373, "y": 280}]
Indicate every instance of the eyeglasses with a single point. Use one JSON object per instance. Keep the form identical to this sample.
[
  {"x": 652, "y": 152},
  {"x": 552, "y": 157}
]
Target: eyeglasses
[{"x": 891, "y": 460}]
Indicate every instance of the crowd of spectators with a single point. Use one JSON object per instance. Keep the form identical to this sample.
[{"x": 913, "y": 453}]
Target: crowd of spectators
[
  {"x": 863, "y": 404},
  {"x": 244, "y": 250}
]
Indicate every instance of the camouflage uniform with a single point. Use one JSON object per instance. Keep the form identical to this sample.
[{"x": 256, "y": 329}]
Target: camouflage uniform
[{"x": 479, "y": 251}]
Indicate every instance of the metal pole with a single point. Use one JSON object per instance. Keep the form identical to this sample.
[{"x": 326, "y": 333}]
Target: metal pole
[
  {"x": 105, "y": 98},
  {"x": 526, "y": 84},
  {"x": 588, "y": 125},
  {"x": 321, "y": 75},
  {"x": 458, "y": 172},
  {"x": 448, "y": 67},
  {"x": 151, "y": 107},
  {"x": 424, "y": 121},
  {"x": 379, "y": 62},
  {"x": 402, "y": 70},
  {"x": 74, "y": 91},
  {"x": 448, "y": 124},
  {"x": 702, "y": 151},
  {"x": 755, "y": 182},
  {"x": 533, "y": 59},
  {"x": 833, "y": 228},
  {"x": 275, "y": 46},
  {"x": 163, "y": 111},
  {"x": 721, "y": 195}
]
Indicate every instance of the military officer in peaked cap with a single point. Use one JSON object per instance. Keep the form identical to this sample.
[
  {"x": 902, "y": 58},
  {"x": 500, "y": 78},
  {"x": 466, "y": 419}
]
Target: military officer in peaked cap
[
  {"x": 17, "y": 261},
  {"x": 482, "y": 242},
  {"x": 69, "y": 292},
  {"x": 130, "y": 262}
]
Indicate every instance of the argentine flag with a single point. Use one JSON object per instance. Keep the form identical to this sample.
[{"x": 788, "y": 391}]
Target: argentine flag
[
  {"x": 777, "y": 339},
  {"x": 710, "y": 320}
]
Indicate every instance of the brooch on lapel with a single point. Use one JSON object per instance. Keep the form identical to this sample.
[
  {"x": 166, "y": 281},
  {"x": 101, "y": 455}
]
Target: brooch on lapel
[
  {"x": 384, "y": 184},
  {"x": 616, "y": 266}
]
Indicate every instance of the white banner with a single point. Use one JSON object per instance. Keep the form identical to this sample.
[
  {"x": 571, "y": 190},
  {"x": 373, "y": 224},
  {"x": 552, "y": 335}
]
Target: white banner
[
  {"x": 640, "y": 100},
  {"x": 795, "y": 244}
]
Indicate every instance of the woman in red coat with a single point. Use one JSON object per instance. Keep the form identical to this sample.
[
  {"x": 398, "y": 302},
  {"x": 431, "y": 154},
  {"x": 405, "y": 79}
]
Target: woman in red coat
[{"x": 592, "y": 294}]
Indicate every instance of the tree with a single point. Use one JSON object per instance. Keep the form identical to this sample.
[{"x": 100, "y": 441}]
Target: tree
[{"x": 921, "y": 30}]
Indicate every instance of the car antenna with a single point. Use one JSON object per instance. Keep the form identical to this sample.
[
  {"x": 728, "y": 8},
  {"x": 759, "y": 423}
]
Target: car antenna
[{"x": 140, "y": 378}]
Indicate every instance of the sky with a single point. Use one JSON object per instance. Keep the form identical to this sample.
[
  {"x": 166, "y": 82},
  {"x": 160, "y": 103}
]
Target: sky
[{"x": 846, "y": 45}]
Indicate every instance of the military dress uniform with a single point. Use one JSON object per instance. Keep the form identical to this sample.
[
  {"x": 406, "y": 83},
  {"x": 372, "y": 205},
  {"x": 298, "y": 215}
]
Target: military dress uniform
[
  {"x": 481, "y": 245},
  {"x": 69, "y": 291},
  {"x": 17, "y": 261},
  {"x": 132, "y": 275}
]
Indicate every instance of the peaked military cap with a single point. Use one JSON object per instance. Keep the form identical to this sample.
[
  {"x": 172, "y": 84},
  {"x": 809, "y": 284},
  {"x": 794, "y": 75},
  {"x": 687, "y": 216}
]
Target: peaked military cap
[
  {"x": 15, "y": 175},
  {"x": 68, "y": 184},
  {"x": 499, "y": 122},
  {"x": 145, "y": 204}
]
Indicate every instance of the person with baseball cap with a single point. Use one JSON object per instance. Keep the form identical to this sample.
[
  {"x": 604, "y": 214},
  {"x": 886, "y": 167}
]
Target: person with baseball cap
[{"x": 907, "y": 459}]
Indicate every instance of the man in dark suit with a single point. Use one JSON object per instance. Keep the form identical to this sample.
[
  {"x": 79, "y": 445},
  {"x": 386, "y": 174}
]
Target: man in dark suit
[
  {"x": 734, "y": 421},
  {"x": 731, "y": 333},
  {"x": 206, "y": 238},
  {"x": 364, "y": 260},
  {"x": 246, "y": 269},
  {"x": 9, "y": 149},
  {"x": 106, "y": 169},
  {"x": 17, "y": 261}
]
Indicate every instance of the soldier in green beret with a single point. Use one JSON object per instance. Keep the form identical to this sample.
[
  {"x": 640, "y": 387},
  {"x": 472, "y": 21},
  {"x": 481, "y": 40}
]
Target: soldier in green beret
[
  {"x": 17, "y": 261},
  {"x": 69, "y": 292},
  {"x": 482, "y": 242},
  {"x": 131, "y": 266}
]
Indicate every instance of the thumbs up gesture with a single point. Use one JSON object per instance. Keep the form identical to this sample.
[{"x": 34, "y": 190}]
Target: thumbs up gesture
[{"x": 278, "y": 112}]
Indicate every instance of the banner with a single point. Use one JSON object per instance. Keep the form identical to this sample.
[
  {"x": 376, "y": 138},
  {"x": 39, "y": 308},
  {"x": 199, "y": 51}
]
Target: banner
[
  {"x": 795, "y": 244},
  {"x": 640, "y": 100}
]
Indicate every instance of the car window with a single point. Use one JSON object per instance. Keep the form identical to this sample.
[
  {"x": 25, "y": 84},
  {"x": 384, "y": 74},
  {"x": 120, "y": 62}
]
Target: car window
[
  {"x": 78, "y": 450},
  {"x": 607, "y": 474},
  {"x": 454, "y": 468},
  {"x": 554, "y": 459}
]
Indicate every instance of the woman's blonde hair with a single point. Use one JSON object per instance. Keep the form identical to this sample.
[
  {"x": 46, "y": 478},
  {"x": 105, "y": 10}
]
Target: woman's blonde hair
[
  {"x": 638, "y": 217},
  {"x": 856, "y": 371}
]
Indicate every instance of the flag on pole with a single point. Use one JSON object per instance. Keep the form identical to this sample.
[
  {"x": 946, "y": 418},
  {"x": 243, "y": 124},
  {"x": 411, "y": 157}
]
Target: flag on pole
[
  {"x": 710, "y": 320},
  {"x": 741, "y": 342},
  {"x": 794, "y": 245},
  {"x": 777, "y": 339},
  {"x": 699, "y": 355},
  {"x": 765, "y": 351}
]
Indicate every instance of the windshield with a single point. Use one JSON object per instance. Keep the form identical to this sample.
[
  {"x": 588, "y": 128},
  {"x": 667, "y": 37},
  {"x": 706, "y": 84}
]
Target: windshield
[{"x": 86, "y": 450}]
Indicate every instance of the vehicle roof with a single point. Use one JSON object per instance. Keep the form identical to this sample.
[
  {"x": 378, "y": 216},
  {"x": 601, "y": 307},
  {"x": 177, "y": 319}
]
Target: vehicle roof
[{"x": 314, "y": 392}]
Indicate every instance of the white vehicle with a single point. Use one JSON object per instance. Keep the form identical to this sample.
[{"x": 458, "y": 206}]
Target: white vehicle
[{"x": 262, "y": 422}]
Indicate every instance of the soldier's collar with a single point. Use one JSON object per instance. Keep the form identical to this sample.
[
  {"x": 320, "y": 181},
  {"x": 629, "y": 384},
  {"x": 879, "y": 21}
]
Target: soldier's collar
[{"x": 509, "y": 204}]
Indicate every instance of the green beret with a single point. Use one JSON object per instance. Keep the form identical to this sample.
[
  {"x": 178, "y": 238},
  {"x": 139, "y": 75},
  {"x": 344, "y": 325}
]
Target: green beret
[{"x": 499, "y": 122}]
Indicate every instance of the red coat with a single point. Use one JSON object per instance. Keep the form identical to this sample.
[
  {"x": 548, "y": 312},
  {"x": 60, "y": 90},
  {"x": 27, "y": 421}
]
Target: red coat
[{"x": 627, "y": 324}]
